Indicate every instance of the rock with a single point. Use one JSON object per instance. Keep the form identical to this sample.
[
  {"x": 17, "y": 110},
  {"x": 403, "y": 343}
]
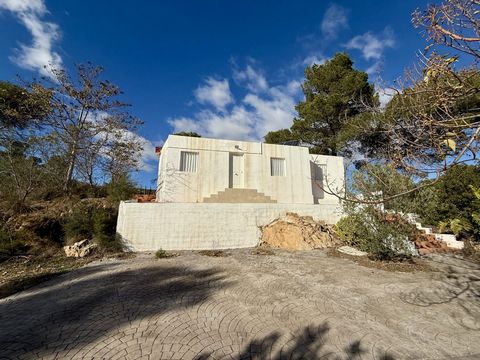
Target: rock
[
  {"x": 351, "y": 251},
  {"x": 80, "y": 249}
]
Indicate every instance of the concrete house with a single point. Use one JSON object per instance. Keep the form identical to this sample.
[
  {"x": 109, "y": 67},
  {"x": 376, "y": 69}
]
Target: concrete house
[
  {"x": 217, "y": 194},
  {"x": 200, "y": 170}
]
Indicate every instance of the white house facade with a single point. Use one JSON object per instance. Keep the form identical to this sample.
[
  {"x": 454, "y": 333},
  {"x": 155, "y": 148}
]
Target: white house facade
[
  {"x": 200, "y": 170},
  {"x": 217, "y": 194}
]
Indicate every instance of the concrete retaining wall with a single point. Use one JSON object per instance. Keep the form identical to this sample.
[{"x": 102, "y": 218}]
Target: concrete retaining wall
[{"x": 201, "y": 226}]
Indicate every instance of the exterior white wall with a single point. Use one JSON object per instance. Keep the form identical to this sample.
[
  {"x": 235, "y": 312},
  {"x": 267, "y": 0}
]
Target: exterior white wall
[
  {"x": 212, "y": 173},
  {"x": 333, "y": 179},
  {"x": 183, "y": 226}
]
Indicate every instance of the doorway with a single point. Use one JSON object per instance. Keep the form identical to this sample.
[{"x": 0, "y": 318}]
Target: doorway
[{"x": 236, "y": 171}]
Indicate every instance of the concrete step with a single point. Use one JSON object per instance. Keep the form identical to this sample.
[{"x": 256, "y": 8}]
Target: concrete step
[
  {"x": 239, "y": 196},
  {"x": 451, "y": 240}
]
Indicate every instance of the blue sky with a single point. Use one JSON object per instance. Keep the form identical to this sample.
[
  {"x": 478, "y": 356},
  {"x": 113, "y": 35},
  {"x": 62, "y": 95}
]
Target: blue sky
[{"x": 226, "y": 69}]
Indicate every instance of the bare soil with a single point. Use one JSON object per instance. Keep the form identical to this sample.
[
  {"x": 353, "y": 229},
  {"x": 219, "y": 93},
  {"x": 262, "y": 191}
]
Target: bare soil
[
  {"x": 410, "y": 265},
  {"x": 213, "y": 253},
  {"x": 19, "y": 273}
]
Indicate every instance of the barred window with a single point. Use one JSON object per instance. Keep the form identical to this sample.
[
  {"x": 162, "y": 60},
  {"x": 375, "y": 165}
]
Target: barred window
[
  {"x": 188, "y": 161},
  {"x": 277, "y": 167}
]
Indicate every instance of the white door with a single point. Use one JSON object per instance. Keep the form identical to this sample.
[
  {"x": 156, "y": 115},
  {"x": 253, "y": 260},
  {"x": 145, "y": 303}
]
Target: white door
[{"x": 236, "y": 171}]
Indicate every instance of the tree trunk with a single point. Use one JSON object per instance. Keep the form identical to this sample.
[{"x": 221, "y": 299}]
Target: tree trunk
[{"x": 71, "y": 166}]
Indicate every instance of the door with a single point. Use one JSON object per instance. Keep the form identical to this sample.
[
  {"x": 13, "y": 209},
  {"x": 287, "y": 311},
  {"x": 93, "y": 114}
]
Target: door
[{"x": 236, "y": 171}]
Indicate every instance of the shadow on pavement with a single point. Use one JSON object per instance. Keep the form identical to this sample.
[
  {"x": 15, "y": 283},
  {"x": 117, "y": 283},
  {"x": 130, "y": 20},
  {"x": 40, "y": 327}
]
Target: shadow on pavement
[
  {"x": 310, "y": 343},
  {"x": 71, "y": 312}
]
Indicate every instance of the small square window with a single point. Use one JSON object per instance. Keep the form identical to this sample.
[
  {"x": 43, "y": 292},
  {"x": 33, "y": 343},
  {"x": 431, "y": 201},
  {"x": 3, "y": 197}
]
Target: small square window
[
  {"x": 188, "y": 161},
  {"x": 277, "y": 167}
]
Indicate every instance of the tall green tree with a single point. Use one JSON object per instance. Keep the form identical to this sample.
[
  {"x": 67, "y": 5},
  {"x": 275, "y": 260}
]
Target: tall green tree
[{"x": 335, "y": 94}]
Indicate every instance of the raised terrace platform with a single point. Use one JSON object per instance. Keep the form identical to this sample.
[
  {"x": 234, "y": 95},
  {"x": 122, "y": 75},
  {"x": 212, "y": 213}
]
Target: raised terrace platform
[{"x": 205, "y": 226}]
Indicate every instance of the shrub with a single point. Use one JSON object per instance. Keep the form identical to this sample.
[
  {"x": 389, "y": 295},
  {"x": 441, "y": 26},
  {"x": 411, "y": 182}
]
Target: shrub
[
  {"x": 94, "y": 222},
  {"x": 104, "y": 228},
  {"x": 384, "y": 236},
  {"x": 457, "y": 203},
  {"x": 120, "y": 189},
  {"x": 161, "y": 254},
  {"x": 11, "y": 243},
  {"x": 79, "y": 224}
]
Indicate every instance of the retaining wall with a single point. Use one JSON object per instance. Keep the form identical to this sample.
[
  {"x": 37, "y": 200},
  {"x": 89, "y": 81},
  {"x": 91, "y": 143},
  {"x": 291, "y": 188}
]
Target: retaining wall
[{"x": 203, "y": 226}]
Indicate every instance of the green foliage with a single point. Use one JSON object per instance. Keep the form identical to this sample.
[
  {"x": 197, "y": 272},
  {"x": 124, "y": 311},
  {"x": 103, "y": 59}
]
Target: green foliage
[
  {"x": 333, "y": 94},
  {"x": 279, "y": 136},
  {"x": 11, "y": 243},
  {"x": 378, "y": 182},
  {"x": 456, "y": 201},
  {"x": 188, "y": 133},
  {"x": 161, "y": 254},
  {"x": 383, "y": 236},
  {"x": 121, "y": 189},
  {"x": 455, "y": 226},
  {"x": 79, "y": 224},
  {"x": 104, "y": 228},
  {"x": 93, "y": 222}
]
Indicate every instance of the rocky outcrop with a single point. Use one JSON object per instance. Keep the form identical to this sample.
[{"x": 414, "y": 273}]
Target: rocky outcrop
[
  {"x": 80, "y": 249},
  {"x": 296, "y": 232}
]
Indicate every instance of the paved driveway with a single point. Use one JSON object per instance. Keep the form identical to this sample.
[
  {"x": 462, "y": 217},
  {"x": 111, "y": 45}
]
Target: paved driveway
[{"x": 301, "y": 305}]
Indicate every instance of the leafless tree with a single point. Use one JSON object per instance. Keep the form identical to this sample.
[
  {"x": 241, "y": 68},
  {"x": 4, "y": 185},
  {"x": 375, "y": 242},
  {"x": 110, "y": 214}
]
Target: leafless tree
[
  {"x": 83, "y": 109},
  {"x": 432, "y": 122},
  {"x": 453, "y": 23}
]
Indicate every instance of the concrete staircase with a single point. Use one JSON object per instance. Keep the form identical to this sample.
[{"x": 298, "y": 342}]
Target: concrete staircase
[
  {"x": 239, "y": 196},
  {"x": 449, "y": 239}
]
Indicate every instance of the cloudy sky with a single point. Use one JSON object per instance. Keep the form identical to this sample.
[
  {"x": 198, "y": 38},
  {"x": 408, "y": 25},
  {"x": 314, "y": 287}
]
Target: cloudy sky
[{"x": 225, "y": 69}]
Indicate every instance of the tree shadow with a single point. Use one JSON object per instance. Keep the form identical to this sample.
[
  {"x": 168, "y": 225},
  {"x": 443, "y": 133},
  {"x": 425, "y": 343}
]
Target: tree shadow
[
  {"x": 458, "y": 284},
  {"x": 15, "y": 285},
  {"x": 69, "y": 313},
  {"x": 309, "y": 343}
]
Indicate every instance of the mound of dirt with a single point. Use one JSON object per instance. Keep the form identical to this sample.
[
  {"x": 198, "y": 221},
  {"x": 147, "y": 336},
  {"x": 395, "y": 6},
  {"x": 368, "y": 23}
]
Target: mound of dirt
[{"x": 296, "y": 232}]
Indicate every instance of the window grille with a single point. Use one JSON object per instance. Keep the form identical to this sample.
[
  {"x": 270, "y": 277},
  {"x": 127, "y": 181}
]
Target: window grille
[{"x": 188, "y": 161}]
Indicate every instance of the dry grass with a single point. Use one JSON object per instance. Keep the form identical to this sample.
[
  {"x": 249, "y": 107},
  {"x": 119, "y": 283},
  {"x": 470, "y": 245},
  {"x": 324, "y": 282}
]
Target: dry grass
[
  {"x": 410, "y": 265},
  {"x": 262, "y": 251},
  {"x": 214, "y": 253}
]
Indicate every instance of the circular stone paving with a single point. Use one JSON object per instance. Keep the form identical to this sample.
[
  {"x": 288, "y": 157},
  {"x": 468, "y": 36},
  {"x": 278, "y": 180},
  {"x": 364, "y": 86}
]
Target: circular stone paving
[{"x": 289, "y": 305}]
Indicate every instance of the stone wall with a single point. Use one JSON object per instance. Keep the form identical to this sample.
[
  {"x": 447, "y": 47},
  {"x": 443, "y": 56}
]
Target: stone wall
[{"x": 201, "y": 226}]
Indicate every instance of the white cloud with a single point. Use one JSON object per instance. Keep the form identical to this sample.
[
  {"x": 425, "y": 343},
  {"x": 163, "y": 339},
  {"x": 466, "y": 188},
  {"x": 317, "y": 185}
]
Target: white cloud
[
  {"x": 39, "y": 54},
  {"x": 256, "y": 114},
  {"x": 372, "y": 45},
  {"x": 214, "y": 92},
  {"x": 148, "y": 158},
  {"x": 334, "y": 20},
  {"x": 375, "y": 69},
  {"x": 385, "y": 95},
  {"x": 313, "y": 59},
  {"x": 253, "y": 79}
]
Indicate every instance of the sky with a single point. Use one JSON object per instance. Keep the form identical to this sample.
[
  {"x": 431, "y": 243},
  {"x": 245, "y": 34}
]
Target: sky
[{"x": 225, "y": 69}]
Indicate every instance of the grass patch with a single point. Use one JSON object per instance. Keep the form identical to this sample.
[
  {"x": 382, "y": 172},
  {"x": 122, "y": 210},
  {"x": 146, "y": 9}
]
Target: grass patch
[{"x": 162, "y": 254}]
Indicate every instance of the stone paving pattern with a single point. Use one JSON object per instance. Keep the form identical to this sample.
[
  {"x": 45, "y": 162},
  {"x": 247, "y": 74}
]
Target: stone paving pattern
[{"x": 298, "y": 305}]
